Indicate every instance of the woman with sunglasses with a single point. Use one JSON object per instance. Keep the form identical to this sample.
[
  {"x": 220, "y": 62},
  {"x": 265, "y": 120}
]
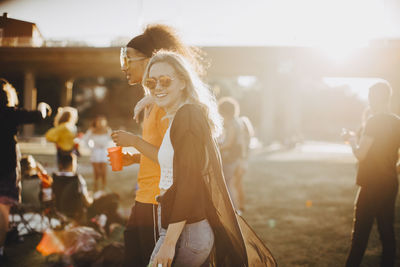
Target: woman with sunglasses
[
  {"x": 141, "y": 232},
  {"x": 197, "y": 222}
]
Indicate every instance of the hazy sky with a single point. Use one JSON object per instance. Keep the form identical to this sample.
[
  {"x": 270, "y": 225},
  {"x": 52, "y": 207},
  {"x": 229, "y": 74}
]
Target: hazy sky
[{"x": 216, "y": 22}]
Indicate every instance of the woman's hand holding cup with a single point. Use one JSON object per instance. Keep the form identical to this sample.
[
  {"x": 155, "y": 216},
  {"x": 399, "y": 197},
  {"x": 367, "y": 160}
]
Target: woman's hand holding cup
[
  {"x": 115, "y": 158},
  {"x": 123, "y": 138}
]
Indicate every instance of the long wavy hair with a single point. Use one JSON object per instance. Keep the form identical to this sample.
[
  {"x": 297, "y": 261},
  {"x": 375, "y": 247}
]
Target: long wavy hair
[{"x": 196, "y": 91}]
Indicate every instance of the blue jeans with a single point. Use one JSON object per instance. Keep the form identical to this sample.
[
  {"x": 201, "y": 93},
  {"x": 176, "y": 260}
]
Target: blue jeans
[{"x": 194, "y": 244}]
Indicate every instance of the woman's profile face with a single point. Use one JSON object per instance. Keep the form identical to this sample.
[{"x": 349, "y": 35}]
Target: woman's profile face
[
  {"x": 135, "y": 66},
  {"x": 167, "y": 93}
]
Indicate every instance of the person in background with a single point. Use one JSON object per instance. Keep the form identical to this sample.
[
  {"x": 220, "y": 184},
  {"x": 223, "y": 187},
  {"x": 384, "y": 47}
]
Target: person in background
[
  {"x": 247, "y": 132},
  {"x": 377, "y": 155},
  {"x": 98, "y": 139},
  {"x": 64, "y": 132},
  {"x": 11, "y": 116},
  {"x": 35, "y": 183},
  {"x": 231, "y": 146},
  {"x": 142, "y": 232}
]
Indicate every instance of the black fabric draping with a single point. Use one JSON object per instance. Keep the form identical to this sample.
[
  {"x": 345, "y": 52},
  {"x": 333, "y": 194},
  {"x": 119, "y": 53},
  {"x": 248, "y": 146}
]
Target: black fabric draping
[
  {"x": 196, "y": 154},
  {"x": 11, "y": 118}
]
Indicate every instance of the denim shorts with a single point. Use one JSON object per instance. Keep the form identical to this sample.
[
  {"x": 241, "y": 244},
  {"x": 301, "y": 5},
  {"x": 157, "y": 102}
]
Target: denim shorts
[{"x": 194, "y": 244}]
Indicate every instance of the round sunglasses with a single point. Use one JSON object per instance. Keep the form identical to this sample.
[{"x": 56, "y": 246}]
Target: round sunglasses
[{"x": 151, "y": 83}]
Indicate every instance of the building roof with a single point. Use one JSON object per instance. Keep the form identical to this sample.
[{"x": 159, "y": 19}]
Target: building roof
[{"x": 17, "y": 28}]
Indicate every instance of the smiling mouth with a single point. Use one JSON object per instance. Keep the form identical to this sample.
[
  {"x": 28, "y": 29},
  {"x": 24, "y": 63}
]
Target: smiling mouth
[{"x": 161, "y": 95}]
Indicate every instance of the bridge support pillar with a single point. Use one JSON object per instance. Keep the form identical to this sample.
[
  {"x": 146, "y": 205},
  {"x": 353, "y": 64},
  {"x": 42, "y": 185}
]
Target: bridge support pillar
[
  {"x": 268, "y": 110},
  {"x": 66, "y": 93},
  {"x": 30, "y": 98},
  {"x": 280, "y": 109}
]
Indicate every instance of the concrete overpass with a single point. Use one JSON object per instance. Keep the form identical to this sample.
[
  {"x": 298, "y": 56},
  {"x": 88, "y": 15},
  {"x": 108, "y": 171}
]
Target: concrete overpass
[
  {"x": 226, "y": 61},
  {"x": 274, "y": 66}
]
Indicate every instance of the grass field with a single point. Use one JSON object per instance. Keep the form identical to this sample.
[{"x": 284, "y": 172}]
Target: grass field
[{"x": 300, "y": 203}]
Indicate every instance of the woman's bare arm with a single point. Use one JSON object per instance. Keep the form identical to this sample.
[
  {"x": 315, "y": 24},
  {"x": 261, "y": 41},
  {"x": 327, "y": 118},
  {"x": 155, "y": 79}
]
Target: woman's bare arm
[
  {"x": 126, "y": 139},
  {"x": 166, "y": 253}
]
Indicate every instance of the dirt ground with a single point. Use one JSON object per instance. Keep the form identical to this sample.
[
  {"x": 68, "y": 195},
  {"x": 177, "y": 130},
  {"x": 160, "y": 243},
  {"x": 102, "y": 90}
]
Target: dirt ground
[{"x": 300, "y": 202}]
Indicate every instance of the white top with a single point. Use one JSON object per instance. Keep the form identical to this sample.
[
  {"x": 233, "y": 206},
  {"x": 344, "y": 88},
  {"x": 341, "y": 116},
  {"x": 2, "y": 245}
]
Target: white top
[
  {"x": 101, "y": 141},
  {"x": 98, "y": 143},
  {"x": 166, "y": 161}
]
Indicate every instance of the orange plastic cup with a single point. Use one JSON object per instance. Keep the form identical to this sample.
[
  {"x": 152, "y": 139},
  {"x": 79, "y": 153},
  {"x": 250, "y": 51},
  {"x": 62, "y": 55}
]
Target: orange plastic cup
[{"x": 115, "y": 155}]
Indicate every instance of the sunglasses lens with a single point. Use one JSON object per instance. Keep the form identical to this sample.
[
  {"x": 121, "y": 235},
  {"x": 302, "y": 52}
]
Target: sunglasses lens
[
  {"x": 124, "y": 62},
  {"x": 150, "y": 83},
  {"x": 122, "y": 58},
  {"x": 165, "y": 81}
]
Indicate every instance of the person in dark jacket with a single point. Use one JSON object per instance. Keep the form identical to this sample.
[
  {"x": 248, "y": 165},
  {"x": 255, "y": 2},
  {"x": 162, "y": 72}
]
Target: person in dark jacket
[
  {"x": 11, "y": 116},
  {"x": 377, "y": 155}
]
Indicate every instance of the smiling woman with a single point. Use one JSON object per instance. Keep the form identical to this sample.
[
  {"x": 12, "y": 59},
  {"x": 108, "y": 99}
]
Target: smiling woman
[
  {"x": 165, "y": 86},
  {"x": 197, "y": 223},
  {"x": 141, "y": 233}
]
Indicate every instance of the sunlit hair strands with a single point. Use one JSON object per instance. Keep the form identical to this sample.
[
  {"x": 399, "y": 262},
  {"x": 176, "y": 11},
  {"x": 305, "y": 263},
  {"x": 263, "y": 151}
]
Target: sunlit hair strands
[
  {"x": 8, "y": 94},
  {"x": 195, "y": 92}
]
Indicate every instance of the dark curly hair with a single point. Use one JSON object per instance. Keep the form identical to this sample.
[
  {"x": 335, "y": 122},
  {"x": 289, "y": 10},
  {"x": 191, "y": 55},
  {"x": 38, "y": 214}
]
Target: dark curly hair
[{"x": 163, "y": 37}]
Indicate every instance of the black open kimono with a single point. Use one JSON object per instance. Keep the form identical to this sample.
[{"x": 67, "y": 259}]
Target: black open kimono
[{"x": 199, "y": 191}]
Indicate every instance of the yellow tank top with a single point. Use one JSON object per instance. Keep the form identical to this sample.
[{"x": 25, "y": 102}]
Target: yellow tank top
[{"x": 154, "y": 128}]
